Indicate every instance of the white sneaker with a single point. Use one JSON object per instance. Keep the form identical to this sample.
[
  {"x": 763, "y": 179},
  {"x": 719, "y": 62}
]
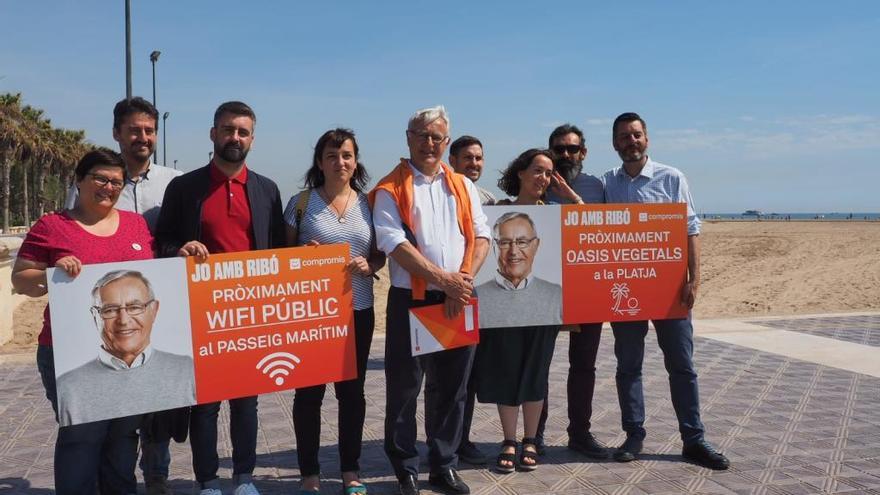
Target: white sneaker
[
  {"x": 210, "y": 491},
  {"x": 245, "y": 489}
]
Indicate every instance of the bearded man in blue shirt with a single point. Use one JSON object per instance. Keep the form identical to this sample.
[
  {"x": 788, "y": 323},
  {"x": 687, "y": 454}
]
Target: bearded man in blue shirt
[{"x": 642, "y": 180}]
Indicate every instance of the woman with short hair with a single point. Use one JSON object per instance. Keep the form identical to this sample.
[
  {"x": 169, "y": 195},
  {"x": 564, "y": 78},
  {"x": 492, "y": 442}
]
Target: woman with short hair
[{"x": 101, "y": 454}]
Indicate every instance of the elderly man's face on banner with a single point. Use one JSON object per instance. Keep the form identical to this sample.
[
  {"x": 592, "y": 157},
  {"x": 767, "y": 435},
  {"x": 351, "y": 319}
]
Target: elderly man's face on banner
[
  {"x": 517, "y": 244},
  {"x": 125, "y": 317}
]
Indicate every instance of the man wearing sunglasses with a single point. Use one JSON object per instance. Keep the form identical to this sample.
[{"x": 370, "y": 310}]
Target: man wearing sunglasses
[
  {"x": 129, "y": 376},
  {"x": 570, "y": 149}
]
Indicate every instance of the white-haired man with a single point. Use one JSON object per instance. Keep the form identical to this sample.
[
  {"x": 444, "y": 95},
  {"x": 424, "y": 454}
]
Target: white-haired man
[
  {"x": 430, "y": 223},
  {"x": 129, "y": 376}
]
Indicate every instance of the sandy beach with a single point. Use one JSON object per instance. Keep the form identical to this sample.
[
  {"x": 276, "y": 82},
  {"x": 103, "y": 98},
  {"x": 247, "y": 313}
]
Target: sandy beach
[
  {"x": 748, "y": 269},
  {"x": 787, "y": 268}
]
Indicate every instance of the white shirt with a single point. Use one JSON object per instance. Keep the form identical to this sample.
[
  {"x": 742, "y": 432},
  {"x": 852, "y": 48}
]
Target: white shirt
[
  {"x": 113, "y": 362},
  {"x": 434, "y": 221},
  {"x": 508, "y": 285}
]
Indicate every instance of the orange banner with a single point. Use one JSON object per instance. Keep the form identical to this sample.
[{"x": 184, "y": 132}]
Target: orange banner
[
  {"x": 431, "y": 331},
  {"x": 623, "y": 262},
  {"x": 264, "y": 321}
]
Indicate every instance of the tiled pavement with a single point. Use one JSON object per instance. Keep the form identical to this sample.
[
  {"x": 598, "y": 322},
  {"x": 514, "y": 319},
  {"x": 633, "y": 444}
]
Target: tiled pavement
[
  {"x": 860, "y": 329},
  {"x": 788, "y": 426}
]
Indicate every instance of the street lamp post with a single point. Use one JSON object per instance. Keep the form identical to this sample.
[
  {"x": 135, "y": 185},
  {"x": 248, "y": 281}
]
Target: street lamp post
[
  {"x": 128, "y": 49},
  {"x": 154, "y": 57},
  {"x": 165, "y": 139}
]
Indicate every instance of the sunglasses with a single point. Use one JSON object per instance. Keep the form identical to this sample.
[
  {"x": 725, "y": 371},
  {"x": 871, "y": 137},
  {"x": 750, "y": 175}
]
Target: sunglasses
[{"x": 572, "y": 149}]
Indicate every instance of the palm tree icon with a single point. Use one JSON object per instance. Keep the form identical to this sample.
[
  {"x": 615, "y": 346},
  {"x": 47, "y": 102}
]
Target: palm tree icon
[{"x": 619, "y": 292}]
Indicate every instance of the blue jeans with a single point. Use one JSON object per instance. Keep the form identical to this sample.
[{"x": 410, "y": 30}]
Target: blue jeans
[
  {"x": 243, "y": 422},
  {"x": 676, "y": 340},
  {"x": 94, "y": 455}
]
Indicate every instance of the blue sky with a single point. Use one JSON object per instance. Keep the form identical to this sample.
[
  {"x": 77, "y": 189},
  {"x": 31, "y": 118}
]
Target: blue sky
[{"x": 767, "y": 105}]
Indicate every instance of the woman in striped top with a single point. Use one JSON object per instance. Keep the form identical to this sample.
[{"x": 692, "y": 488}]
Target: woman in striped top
[{"x": 335, "y": 210}]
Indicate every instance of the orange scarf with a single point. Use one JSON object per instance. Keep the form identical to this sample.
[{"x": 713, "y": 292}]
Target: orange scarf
[{"x": 399, "y": 184}]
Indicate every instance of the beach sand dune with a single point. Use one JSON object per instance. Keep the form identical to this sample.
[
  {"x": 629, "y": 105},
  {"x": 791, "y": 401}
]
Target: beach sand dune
[{"x": 748, "y": 269}]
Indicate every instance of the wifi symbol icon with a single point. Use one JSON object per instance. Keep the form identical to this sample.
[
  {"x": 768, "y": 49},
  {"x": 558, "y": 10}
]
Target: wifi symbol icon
[{"x": 278, "y": 365}]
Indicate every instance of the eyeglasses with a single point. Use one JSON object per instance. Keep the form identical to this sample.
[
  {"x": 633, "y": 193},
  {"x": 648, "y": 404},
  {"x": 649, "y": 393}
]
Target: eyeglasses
[
  {"x": 572, "y": 149},
  {"x": 111, "y": 312},
  {"x": 425, "y": 136},
  {"x": 520, "y": 243},
  {"x": 102, "y": 181}
]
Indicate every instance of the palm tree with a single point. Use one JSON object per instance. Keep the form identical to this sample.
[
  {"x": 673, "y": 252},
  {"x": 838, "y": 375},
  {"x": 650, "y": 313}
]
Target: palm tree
[
  {"x": 29, "y": 139},
  {"x": 70, "y": 147},
  {"x": 15, "y": 136}
]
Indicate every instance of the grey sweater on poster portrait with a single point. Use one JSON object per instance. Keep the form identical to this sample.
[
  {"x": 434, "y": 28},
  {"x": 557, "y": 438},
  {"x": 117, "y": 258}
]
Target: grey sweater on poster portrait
[
  {"x": 95, "y": 392},
  {"x": 538, "y": 304}
]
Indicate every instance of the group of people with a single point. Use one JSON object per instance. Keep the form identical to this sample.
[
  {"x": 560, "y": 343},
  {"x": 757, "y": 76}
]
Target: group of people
[{"x": 427, "y": 219}]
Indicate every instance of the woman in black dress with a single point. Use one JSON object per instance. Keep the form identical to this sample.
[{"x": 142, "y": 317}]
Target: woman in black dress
[{"x": 514, "y": 363}]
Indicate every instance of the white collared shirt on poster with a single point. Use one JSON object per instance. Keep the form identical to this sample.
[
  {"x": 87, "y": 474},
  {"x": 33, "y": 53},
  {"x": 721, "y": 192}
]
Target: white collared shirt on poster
[
  {"x": 508, "y": 285},
  {"x": 113, "y": 362},
  {"x": 435, "y": 225}
]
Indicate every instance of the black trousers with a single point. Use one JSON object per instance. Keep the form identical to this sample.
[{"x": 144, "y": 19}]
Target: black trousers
[
  {"x": 203, "y": 439},
  {"x": 469, "y": 403},
  {"x": 89, "y": 457},
  {"x": 445, "y": 374},
  {"x": 583, "y": 347},
  {"x": 352, "y": 408}
]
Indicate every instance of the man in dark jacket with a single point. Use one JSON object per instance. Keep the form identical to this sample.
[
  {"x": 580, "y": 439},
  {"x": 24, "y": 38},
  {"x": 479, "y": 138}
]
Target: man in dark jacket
[{"x": 220, "y": 208}]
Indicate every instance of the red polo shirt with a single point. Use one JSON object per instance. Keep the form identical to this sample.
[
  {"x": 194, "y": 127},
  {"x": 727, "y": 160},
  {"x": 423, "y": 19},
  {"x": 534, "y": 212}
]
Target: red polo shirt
[{"x": 226, "y": 213}]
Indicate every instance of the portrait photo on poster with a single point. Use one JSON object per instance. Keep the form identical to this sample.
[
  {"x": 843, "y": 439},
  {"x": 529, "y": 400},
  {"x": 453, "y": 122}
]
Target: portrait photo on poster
[
  {"x": 122, "y": 340},
  {"x": 520, "y": 283}
]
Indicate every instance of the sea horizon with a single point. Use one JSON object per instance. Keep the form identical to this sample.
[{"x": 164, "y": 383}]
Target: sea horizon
[{"x": 848, "y": 216}]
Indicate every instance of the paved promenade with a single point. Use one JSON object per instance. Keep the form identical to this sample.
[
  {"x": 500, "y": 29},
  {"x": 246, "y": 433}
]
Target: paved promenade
[{"x": 793, "y": 402}]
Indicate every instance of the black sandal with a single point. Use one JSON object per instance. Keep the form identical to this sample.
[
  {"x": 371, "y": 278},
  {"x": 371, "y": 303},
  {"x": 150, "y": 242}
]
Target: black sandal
[
  {"x": 531, "y": 455},
  {"x": 506, "y": 457}
]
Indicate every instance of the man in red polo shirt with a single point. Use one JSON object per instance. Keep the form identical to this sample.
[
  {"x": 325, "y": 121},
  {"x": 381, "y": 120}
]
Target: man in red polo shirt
[{"x": 221, "y": 208}]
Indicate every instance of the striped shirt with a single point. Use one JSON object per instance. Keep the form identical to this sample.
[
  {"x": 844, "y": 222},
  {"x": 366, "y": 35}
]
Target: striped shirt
[
  {"x": 656, "y": 183},
  {"x": 320, "y": 223}
]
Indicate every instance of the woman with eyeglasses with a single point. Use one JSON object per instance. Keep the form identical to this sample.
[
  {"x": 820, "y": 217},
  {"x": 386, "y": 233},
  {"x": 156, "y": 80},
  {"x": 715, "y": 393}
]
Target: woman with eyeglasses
[
  {"x": 333, "y": 209},
  {"x": 513, "y": 363},
  {"x": 98, "y": 456}
]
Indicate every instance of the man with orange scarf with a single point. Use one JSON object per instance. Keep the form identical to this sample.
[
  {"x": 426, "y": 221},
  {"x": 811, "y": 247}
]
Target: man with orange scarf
[{"x": 430, "y": 223}]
